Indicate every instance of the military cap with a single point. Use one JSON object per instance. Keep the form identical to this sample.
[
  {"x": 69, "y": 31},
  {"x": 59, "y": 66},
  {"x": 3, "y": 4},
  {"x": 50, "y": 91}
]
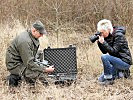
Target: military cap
[{"x": 38, "y": 25}]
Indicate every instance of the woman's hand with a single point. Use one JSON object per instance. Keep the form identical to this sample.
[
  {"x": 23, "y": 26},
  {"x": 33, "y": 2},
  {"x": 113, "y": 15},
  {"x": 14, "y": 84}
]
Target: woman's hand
[{"x": 101, "y": 39}]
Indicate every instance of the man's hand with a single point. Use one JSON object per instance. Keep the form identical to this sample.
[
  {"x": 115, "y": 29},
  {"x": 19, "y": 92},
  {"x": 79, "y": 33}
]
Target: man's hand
[
  {"x": 101, "y": 39},
  {"x": 49, "y": 69}
]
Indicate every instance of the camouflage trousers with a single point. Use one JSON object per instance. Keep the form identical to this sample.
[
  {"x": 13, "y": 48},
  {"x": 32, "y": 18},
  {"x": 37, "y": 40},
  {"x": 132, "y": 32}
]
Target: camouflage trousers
[
  {"x": 28, "y": 75},
  {"x": 31, "y": 76}
]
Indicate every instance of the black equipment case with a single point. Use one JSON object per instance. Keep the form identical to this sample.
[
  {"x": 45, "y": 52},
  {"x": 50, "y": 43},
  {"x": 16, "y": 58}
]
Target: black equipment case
[{"x": 64, "y": 61}]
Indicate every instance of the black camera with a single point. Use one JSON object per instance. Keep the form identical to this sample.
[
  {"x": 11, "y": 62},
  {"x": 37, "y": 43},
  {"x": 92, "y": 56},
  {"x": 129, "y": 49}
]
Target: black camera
[{"x": 95, "y": 37}]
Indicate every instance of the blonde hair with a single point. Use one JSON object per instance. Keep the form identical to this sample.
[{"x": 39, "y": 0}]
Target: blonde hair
[{"x": 105, "y": 25}]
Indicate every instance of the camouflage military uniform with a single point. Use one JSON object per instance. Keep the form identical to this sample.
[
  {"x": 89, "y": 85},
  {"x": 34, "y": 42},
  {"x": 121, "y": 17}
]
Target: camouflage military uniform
[{"x": 20, "y": 57}]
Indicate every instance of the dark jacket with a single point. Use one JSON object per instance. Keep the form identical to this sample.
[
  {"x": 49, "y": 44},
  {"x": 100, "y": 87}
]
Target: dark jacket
[
  {"x": 116, "y": 45},
  {"x": 21, "y": 53}
]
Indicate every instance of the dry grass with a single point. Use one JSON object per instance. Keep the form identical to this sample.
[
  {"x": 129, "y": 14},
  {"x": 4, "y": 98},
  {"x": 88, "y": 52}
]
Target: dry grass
[{"x": 89, "y": 67}]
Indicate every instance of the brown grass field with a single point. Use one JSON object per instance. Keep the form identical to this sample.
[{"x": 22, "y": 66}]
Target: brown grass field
[{"x": 89, "y": 68}]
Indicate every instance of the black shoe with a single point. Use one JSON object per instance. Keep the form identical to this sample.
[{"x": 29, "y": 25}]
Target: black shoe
[
  {"x": 30, "y": 81},
  {"x": 126, "y": 73},
  {"x": 13, "y": 80},
  {"x": 107, "y": 82}
]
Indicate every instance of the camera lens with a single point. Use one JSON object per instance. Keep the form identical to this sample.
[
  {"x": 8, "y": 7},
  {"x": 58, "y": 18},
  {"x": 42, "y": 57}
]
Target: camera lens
[{"x": 94, "y": 38}]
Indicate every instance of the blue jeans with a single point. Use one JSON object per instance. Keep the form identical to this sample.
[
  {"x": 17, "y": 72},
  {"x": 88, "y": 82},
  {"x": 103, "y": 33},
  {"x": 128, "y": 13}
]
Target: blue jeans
[{"x": 111, "y": 65}]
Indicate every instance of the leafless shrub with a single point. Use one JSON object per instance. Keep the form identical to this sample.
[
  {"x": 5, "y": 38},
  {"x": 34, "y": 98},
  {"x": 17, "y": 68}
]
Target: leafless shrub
[{"x": 81, "y": 15}]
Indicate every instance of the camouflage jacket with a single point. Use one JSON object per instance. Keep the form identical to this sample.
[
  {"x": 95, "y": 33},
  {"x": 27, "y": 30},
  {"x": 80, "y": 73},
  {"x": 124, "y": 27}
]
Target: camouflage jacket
[{"x": 22, "y": 52}]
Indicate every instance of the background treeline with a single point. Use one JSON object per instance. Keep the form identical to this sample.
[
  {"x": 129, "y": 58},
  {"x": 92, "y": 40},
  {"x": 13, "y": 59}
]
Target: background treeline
[{"x": 79, "y": 15}]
